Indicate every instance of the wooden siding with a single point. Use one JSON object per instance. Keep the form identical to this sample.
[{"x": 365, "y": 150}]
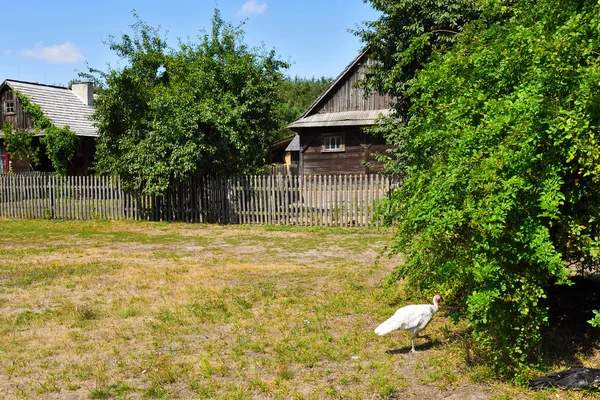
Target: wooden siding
[
  {"x": 17, "y": 165},
  {"x": 19, "y": 119},
  {"x": 346, "y": 97},
  {"x": 358, "y": 149}
]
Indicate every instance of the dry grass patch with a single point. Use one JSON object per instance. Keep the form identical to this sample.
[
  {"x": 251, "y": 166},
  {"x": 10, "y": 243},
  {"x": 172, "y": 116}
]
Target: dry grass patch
[{"x": 148, "y": 310}]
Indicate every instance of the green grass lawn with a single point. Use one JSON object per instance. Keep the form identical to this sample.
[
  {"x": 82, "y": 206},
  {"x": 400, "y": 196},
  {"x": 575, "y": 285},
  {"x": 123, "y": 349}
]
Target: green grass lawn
[{"x": 151, "y": 310}]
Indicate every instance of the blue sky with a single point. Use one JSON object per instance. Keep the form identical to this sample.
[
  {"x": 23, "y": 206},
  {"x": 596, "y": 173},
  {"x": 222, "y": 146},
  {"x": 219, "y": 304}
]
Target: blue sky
[{"x": 49, "y": 42}]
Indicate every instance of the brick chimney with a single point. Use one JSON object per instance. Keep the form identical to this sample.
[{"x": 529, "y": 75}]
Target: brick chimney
[{"x": 85, "y": 92}]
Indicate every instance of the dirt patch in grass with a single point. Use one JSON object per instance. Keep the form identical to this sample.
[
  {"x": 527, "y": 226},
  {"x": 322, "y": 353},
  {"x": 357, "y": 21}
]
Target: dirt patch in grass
[{"x": 148, "y": 310}]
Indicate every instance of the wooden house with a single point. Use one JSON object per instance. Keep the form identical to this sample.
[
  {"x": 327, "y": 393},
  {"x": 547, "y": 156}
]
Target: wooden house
[
  {"x": 332, "y": 130},
  {"x": 284, "y": 155},
  {"x": 64, "y": 107}
]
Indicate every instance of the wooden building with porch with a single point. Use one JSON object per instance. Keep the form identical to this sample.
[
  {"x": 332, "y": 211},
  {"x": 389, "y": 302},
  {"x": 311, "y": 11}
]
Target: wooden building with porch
[
  {"x": 63, "y": 106},
  {"x": 332, "y": 130}
]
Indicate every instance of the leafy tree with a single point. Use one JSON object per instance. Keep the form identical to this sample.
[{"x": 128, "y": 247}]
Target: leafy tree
[
  {"x": 171, "y": 114},
  {"x": 501, "y": 163},
  {"x": 20, "y": 144},
  {"x": 406, "y": 36},
  {"x": 297, "y": 95}
]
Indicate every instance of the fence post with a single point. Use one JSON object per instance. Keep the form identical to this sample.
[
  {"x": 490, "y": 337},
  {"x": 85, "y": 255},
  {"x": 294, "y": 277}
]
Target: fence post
[{"x": 52, "y": 198}]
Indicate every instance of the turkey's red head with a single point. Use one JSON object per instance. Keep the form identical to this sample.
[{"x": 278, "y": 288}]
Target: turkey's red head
[{"x": 437, "y": 299}]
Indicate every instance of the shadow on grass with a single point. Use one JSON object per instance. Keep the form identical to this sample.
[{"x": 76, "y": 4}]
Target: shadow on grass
[
  {"x": 429, "y": 344},
  {"x": 569, "y": 336}
]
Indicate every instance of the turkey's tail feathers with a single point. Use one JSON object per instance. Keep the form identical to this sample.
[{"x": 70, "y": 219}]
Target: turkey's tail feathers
[{"x": 386, "y": 327}]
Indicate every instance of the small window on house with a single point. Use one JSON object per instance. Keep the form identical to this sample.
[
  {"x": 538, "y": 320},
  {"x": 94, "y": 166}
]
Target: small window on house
[
  {"x": 333, "y": 143},
  {"x": 9, "y": 103}
]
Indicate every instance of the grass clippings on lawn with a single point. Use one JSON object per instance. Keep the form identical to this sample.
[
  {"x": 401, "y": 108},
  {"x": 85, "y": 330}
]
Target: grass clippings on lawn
[{"x": 150, "y": 310}]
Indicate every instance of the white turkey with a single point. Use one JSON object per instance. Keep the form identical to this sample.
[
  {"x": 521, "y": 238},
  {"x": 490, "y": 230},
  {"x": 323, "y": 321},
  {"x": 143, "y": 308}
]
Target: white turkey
[{"x": 413, "y": 318}]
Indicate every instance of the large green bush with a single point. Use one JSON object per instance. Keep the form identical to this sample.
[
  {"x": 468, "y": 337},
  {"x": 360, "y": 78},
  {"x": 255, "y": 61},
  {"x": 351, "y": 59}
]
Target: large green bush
[{"x": 500, "y": 157}]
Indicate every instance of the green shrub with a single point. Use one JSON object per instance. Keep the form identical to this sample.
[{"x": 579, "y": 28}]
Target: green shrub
[
  {"x": 500, "y": 163},
  {"x": 595, "y": 322}
]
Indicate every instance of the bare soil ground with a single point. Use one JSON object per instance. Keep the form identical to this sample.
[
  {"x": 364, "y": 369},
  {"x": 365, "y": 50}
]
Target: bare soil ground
[{"x": 174, "y": 311}]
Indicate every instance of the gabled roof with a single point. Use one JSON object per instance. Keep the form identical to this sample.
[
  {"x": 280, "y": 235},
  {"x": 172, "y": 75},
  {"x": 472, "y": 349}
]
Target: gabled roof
[
  {"x": 59, "y": 104},
  {"x": 344, "y": 118},
  {"x": 319, "y": 114},
  {"x": 334, "y": 84}
]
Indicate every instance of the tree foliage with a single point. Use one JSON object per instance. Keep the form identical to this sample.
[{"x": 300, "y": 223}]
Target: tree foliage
[
  {"x": 406, "y": 36},
  {"x": 501, "y": 164},
  {"x": 173, "y": 113},
  {"x": 20, "y": 145},
  {"x": 61, "y": 144}
]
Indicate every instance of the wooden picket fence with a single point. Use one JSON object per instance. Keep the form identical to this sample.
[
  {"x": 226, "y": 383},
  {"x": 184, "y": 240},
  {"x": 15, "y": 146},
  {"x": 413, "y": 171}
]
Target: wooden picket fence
[{"x": 325, "y": 200}]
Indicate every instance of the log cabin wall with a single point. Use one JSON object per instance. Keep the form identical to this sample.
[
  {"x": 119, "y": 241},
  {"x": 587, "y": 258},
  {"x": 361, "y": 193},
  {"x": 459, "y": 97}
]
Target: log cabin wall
[
  {"x": 18, "y": 119},
  {"x": 355, "y": 158},
  {"x": 346, "y": 97}
]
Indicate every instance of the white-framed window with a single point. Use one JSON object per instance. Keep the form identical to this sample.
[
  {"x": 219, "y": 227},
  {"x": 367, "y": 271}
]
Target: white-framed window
[
  {"x": 333, "y": 142},
  {"x": 9, "y": 102}
]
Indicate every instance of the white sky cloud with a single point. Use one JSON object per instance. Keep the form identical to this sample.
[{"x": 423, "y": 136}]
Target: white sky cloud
[
  {"x": 58, "y": 53},
  {"x": 252, "y": 7}
]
